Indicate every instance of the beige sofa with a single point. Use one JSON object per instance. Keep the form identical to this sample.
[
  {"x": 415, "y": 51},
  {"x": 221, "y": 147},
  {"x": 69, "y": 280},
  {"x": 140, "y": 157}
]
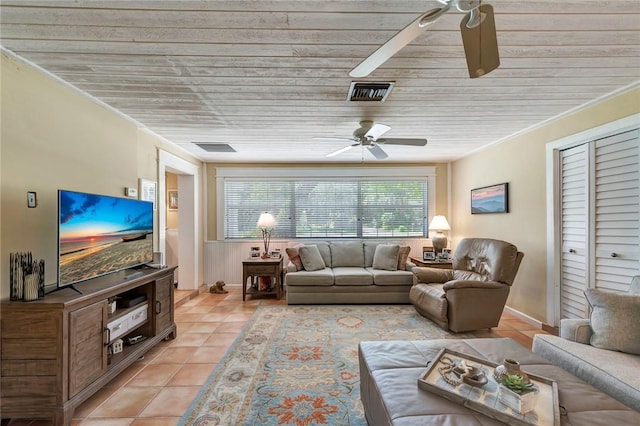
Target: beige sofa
[
  {"x": 354, "y": 271},
  {"x": 604, "y": 350}
]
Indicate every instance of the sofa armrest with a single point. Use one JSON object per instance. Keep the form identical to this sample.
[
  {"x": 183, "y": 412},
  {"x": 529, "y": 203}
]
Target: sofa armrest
[
  {"x": 432, "y": 275},
  {"x": 409, "y": 266},
  {"x": 458, "y": 284},
  {"x": 576, "y": 330},
  {"x": 291, "y": 267}
]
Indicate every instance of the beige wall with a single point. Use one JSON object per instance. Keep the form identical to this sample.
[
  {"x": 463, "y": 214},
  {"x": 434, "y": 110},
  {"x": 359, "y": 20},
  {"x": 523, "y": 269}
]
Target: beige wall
[
  {"x": 53, "y": 137},
  {"x": 520, "y": 161},
  {"x": 441, "y": 185}
]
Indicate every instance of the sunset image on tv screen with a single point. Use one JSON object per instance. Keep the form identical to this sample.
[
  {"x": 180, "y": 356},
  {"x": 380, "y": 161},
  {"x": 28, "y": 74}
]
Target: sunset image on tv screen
[{"x": 101, "y": 234}]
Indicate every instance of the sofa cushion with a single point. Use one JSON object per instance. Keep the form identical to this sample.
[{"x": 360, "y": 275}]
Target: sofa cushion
[
  {"x": 320, "y": 278},
  {"x": 492, "y": 259},
  {"x": 403, "y": 256},
  {"x": 615, "y": 320},
  {"x": 386, "y": 257},
  {"x": 469, "y": 276},
  {"x": 614, "y": 373},
  {"x": 352, "y": 276},
  {"x": 430, "y": 298},
  {"x": 325, "y": 251},
  {"x": 576, "y": 330},
  {"x": 347, "y": 253},
  {"x": 432, "y": 275},
  {"x": 294, "y": 257},
  {"x": 382, "y": 277},
  {"x": 369, "y": 251},
  {"x": 311, "y": 258}
]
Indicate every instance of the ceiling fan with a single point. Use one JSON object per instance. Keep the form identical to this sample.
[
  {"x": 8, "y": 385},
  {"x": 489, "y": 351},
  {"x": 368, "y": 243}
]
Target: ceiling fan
[
  {"x": 478, "y": 29},
  {"x": 368, "y": 135}
]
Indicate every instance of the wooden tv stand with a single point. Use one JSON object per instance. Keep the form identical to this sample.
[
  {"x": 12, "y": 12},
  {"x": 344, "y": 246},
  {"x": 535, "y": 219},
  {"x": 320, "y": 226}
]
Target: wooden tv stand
[{"x": 56, "y": 350}]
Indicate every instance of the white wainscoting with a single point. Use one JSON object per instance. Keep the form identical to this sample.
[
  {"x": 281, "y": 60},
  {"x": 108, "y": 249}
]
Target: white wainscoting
[{"x": 223, "y": 259}]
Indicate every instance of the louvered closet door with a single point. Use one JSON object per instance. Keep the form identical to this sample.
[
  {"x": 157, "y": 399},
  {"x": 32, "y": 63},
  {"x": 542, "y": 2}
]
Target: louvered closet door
[
  {"x": 617, "y": 210},
  {"x": 574, "y": 192}
]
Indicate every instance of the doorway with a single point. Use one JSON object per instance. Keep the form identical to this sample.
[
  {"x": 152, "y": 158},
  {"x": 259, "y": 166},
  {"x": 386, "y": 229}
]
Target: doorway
[{"x": 183, "y": 202}]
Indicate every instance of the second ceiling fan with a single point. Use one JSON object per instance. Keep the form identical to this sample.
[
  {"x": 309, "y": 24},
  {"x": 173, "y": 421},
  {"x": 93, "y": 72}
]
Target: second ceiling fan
[
  {"x": 368, "y": 135},
  {"x": 478, "y": 29}
]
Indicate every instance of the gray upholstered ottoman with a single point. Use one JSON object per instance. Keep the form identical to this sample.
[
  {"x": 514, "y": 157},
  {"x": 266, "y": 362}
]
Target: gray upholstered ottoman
[{"x": 391, "y": 396}]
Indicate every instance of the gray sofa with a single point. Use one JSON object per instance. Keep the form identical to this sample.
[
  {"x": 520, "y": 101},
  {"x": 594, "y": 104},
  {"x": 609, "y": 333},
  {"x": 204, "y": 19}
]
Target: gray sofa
[
  {"x": 353, "y": 271},
  {"x": 604, "y": 350},
  {"x": 391, "y": 396}
]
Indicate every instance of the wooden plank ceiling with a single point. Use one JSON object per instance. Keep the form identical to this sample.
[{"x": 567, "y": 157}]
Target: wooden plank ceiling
[{"x": 267, "y": 76}]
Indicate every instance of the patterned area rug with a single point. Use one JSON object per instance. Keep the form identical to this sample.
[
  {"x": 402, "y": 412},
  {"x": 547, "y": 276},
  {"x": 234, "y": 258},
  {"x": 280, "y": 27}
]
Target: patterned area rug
[{"x": 298, "y": 365}]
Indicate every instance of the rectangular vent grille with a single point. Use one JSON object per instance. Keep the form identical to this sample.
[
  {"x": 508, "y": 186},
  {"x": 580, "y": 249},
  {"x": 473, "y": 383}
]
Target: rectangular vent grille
[
  {"x": 369, "y": 92},
  {"x": 216, "y": 147}
]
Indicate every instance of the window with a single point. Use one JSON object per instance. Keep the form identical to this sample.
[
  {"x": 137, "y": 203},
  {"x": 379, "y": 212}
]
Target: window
[{"x": 327, "y": 207}]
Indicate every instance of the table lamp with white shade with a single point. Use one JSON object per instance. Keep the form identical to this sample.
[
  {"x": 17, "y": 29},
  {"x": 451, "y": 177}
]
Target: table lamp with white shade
[
  {"x": 439, "y": 241},
  {"x": 266, "y": 223}
]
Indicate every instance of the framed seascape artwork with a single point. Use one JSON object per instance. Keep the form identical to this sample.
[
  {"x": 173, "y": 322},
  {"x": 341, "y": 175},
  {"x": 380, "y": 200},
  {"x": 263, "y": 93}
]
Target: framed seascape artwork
[{"x": 490, "y": 199}]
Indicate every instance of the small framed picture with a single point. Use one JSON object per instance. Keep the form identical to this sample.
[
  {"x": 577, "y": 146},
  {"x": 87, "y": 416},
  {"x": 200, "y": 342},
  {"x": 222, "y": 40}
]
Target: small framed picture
[
  {"x": 446, "y": 254},
  {"x": 172, "y": 200},
  {"x": 275, "y": 254},
  {"x": 428, "y": 254}
]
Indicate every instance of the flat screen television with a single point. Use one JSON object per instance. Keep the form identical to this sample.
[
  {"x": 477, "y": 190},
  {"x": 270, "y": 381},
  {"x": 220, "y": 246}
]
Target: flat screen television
[{"x": 99, "y": 235}]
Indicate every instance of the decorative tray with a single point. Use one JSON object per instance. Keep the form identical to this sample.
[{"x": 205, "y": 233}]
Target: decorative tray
[{"x": 483, "y": 398}]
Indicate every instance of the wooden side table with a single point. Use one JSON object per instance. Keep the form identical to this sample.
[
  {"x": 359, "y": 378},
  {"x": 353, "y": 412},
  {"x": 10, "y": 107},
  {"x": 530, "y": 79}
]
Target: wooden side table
[
  {"x": 256, "y": 267},
  {"x": 442, "y": 264}
]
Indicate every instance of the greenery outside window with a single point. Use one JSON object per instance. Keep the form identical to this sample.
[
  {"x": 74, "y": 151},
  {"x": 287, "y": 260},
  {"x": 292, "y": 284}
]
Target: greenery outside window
[{"x": 351, "y": 206}]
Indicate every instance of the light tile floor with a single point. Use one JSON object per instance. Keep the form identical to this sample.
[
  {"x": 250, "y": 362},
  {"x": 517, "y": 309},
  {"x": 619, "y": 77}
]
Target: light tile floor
[{"x": 157, "y": 390}]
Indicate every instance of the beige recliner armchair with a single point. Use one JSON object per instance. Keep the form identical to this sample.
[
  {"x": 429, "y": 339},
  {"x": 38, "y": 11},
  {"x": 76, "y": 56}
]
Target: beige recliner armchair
[{"x": 473, "y": 294}]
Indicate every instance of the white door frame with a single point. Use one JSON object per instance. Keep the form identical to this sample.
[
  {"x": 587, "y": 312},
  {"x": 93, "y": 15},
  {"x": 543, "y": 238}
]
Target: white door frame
[
  {"x": 553, "y": 202},
  {"x": 188, "y": 251}
]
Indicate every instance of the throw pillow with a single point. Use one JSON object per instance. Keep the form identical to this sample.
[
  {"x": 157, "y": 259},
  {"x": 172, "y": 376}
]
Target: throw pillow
[
  {"x": 403, "y": 255},
  {"x": 349, "y": 253},
  {"x": 615, "y": 320},
  {"x": 386, "y": 257},
  {"x": 311, "y": 258},
  {"x": 294, "y": 257}
]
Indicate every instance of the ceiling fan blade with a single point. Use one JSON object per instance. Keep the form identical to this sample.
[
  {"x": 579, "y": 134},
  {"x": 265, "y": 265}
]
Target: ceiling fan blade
[
  {"x": 403, "y": 141},
  {"x": 377, "y": 152},
  {"x": 334, "y": 138},
  {"x": 397, "y": 42},
  {"x": 376, "y": 131},
  {"x": 341, "y": 150},
  {"x": 480, "y": 41}
]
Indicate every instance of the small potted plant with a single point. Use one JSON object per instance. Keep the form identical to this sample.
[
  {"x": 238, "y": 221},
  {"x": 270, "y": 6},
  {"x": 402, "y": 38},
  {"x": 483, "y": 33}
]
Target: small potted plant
[{"x": 518, "y": 393}]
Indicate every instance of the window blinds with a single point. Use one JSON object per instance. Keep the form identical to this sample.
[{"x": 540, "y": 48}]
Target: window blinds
[{"x": 327, "y": 208}]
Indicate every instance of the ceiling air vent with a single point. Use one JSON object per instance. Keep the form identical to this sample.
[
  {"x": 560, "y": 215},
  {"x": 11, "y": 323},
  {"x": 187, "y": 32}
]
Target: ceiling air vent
[
  {"x": 369, "y": 92},
  {"x": 216, "y": 147}
]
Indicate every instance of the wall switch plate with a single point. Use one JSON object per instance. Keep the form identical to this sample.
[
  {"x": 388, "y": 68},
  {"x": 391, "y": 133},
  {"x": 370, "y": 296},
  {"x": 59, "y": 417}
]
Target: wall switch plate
[
  {"x": 32, "y": 199},
  {"x": 131, "y": 192}
]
